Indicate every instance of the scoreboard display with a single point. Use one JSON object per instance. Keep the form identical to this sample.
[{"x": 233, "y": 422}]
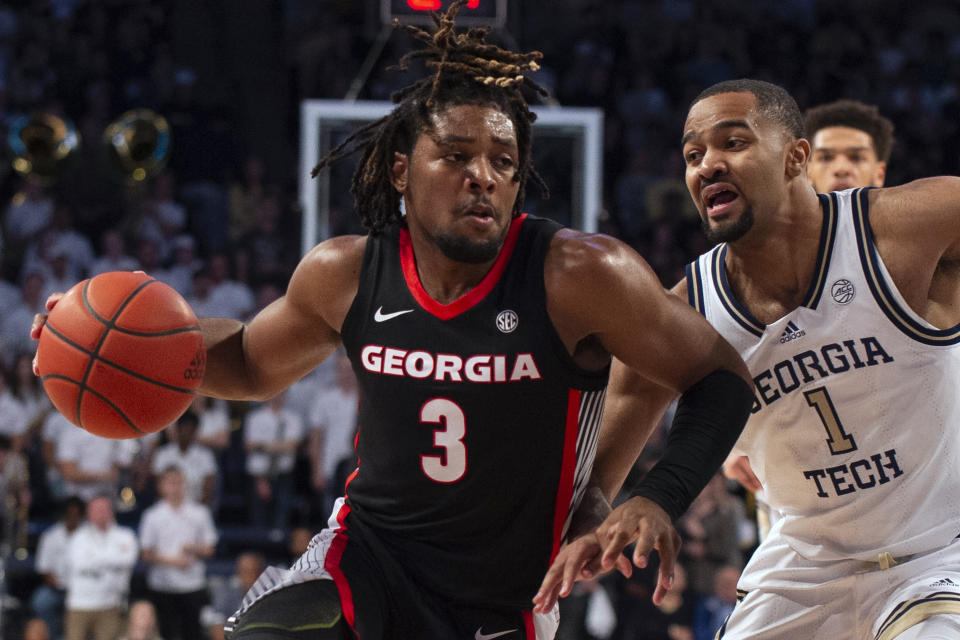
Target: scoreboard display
[{"x": 491, "y": 13}]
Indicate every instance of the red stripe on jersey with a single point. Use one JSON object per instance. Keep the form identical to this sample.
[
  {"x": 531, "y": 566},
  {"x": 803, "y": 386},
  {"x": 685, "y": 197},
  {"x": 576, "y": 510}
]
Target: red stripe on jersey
[
  {"x": 567, "y": 470},
  {"x": 332, "y": 564},
  {"x": 531, "y": 631},
  {"x": 470, "y": 298}
]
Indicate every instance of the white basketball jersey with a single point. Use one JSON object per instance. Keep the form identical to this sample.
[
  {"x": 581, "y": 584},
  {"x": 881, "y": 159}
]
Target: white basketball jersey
[{"x": 855, "y": 430}]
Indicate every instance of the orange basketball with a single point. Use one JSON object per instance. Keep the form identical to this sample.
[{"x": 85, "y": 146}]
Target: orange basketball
[{"x": 121, "y": 355}]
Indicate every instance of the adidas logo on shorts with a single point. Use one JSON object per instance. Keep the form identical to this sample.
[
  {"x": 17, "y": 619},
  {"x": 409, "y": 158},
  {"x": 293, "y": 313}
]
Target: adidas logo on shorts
[{"x": 792, "y": 332}]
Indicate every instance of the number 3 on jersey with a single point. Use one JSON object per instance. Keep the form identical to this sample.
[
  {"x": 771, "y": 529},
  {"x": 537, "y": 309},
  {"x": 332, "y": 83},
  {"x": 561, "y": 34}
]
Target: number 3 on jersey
[{"x": 450, "y": 466}]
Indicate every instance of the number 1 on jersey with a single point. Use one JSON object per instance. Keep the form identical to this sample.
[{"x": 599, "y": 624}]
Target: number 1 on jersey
[
  {"x": 838, "y": 440},
  {"x": 451, "y": 466}
]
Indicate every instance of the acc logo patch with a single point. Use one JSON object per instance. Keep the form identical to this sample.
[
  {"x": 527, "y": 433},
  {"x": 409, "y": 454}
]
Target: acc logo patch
[{"x": 842, "y": 291}]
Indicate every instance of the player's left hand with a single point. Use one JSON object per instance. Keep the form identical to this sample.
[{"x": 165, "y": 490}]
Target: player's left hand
[
  {"x": 641, "y": 520},
  {"x": 577, "y": 560},
  {"x": 39, "y": 320}
]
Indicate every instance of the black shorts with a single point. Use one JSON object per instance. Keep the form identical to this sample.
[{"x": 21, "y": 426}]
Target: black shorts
[{"x": 362, "y": 589}]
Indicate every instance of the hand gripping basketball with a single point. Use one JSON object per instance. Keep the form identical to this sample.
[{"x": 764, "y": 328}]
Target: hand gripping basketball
[{"x": 121, "y": 355}]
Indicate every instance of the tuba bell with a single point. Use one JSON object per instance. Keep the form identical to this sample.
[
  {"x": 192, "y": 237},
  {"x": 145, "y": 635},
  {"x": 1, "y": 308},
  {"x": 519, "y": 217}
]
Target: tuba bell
[
  {"x": 41, "y": 143},
  {"x": 138, "y": 142}
]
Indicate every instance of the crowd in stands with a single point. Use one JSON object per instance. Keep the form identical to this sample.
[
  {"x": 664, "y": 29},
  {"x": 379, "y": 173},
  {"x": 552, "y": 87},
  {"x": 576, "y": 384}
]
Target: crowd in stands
[{"x": 221, "y": 225}]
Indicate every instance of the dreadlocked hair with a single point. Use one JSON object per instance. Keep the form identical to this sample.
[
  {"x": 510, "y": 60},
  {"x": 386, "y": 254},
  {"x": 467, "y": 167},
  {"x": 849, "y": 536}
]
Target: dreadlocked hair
[{"x": 467, "y": 71}]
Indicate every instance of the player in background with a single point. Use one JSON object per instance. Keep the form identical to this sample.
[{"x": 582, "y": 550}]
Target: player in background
[{"x": 851, "y": 143}]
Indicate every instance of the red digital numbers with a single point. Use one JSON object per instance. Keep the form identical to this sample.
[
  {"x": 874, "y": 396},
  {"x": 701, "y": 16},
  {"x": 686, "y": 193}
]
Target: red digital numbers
[{"x": 434, "y": 5}]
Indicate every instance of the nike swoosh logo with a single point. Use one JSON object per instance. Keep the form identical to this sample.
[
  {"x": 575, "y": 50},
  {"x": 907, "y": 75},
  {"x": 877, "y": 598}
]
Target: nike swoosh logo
[
  {"x": 380, "y": 316},
  {"x": 487, "y": 636}
]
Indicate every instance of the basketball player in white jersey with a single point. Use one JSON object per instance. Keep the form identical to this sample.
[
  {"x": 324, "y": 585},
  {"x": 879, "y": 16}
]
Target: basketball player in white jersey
[
  {"x": 850, "y": 146},
  {"x": 846, "y": 309}
]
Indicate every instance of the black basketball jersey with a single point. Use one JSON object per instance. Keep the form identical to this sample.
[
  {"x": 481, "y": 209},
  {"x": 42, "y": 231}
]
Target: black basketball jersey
[{"x": 477, "y": 429}]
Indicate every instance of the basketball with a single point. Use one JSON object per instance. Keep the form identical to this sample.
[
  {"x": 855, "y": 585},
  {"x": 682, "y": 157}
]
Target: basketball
[{"x": 121, "y": 355}]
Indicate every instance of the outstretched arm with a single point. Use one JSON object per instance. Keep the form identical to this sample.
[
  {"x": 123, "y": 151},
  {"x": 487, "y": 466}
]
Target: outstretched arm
[
  {"x": 292, "y": 335},
  {"x": 663, "y": 348}
]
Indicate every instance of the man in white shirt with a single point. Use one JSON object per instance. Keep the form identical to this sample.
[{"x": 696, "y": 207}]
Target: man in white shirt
[
  {"x": 333, "y": 423},
  {"x": 176, "y": 535},
  {"x": 48, "y": 599},
  {"x": 90, "y": 465},
  {"x": 195, "y": 461},
  {"x": 232, "y": 298},
  {"x": 271, "y": 436},
  {"x": 101, "y": 556}
]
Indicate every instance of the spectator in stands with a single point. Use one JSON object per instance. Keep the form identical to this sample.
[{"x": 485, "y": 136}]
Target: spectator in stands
[
  {"x": 711, "y": 534},
  {"x": 268, "y": 245},
  {"x": 14, "y": 495},
  {"x": 148, "y": 255},
  {"x": 141, "y": 622},
  {"x": 114, "y": 256},
  {"x": 195, "y": 461},
  {"x": 176, "y": 536},
  {"x": 76, "y": 245},
  {"x": 13, "y": 415},
  {"x": 53, "y": 426},
  {"x": 28, "y": 389},
  {"x": 272, "y": 433},
  {"x": 101, "y": 556},
  {"x": 226, "y": 596},
  {"x": 333, "y": 424},
  {"x": 246, "y": 196},
  {"x": 713, "y": 609},
  {"x": 200, "y": 299},
  {"x": 17, "y": 320},
  {"x": 89, "y": 465},
  {"x": 638, "y": 617},
  {"x": 47, "y": 600},
  {"x": 232, "y": 298},
  {"x": 27, "y": 215},
  {"x": 179, "y": 274},
  {"x": 214, "y": 414}
]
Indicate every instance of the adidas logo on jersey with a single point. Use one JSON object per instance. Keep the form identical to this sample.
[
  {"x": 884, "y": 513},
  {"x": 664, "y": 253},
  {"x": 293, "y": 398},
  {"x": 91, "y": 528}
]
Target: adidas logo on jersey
[
  {"x": 792, "y": 332},
  {"x": 944, "y": 582}
]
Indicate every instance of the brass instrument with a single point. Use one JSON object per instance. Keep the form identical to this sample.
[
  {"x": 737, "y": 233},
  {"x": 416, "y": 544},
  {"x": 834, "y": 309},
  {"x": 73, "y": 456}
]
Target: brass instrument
[
  {"x": 139, "y": 143},
  {"x": 41, "y": 143}
]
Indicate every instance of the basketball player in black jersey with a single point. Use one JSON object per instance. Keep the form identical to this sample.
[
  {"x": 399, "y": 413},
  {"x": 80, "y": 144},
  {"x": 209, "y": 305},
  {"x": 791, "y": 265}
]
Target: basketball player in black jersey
[{"x": 481, "y": 338}]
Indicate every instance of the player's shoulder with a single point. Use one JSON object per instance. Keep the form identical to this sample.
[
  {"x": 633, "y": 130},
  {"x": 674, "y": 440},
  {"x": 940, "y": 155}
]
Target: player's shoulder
[
  {"x": 336, "y": 253},
  {"x": 574, "y": 252},
  {"x": 328, "y": 274},
  {"x": 900, "y": 209}
]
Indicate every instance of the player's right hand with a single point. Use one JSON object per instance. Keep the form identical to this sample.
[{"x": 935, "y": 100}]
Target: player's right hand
[
  {"x": 644, "y": 521},
  {"x": 738, "y": 468},
  {"x": 39, "y": 320}
]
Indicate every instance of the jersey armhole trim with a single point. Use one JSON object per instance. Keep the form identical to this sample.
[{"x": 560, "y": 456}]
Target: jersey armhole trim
[
  {"x": 695, "y": 288},
  {"x": 882, "y": 290}
]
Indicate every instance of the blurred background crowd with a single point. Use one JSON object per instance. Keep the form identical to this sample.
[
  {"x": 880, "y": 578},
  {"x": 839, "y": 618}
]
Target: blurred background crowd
[{"x": 221, "y": 224}]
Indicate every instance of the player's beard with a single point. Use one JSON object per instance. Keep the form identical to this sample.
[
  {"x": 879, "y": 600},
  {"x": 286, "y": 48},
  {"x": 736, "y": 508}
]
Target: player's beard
[
  {"x": 729, "y": 233},
  {"x": 467, "y": 250}
]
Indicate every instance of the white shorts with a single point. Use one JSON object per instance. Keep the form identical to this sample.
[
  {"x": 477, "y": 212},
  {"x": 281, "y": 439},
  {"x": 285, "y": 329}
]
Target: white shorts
[{"x": 785, "y": 596}]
